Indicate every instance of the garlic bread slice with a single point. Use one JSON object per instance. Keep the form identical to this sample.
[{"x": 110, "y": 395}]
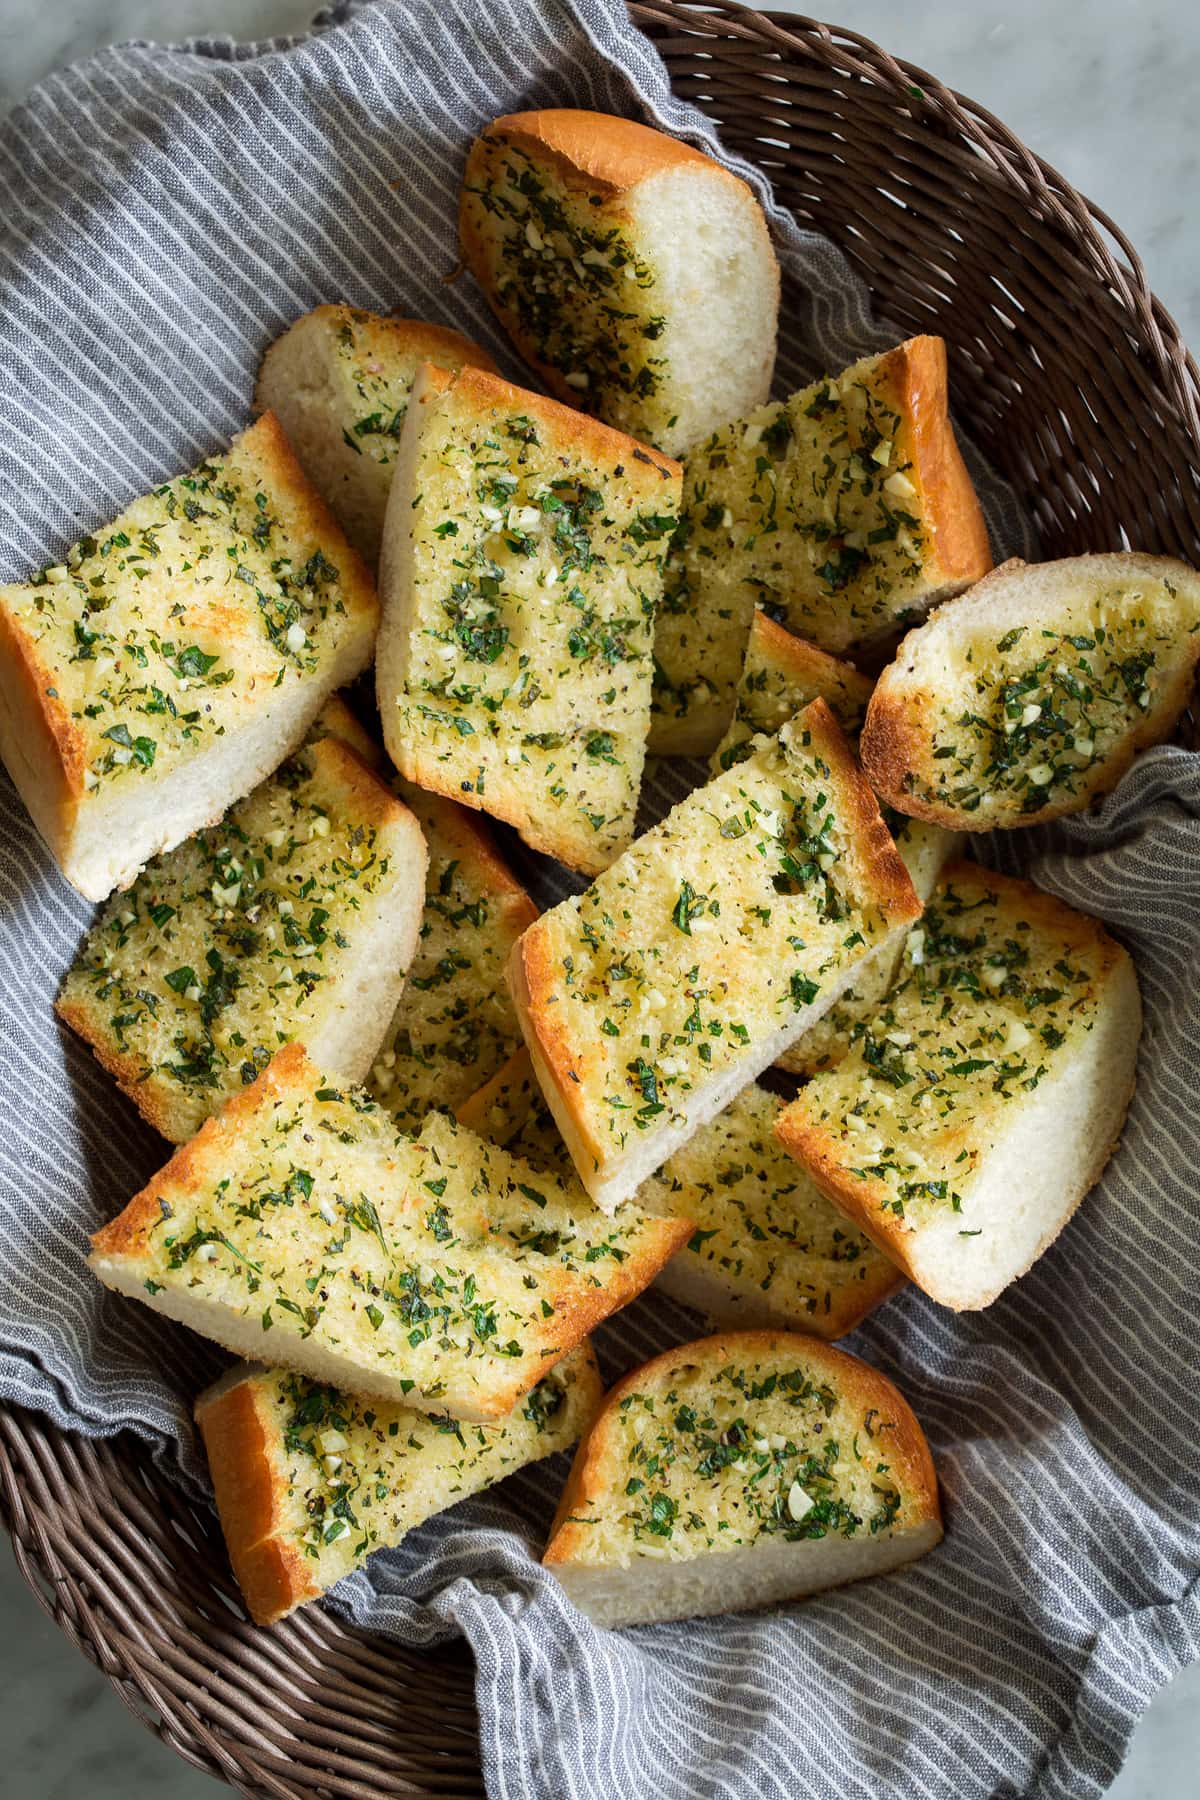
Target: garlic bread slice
[
  {"x": 309, "y": 1480},
  {"x": 1032, "y": 694},
  {"x": 651, "y": 999},
  {"x": 846, "y": 510},
  {"x": 981, "y": 1103},
  {"x": 293, "y": 919},
  {"x": 741, "y": 1471},
  {"x": 302, "y": 1226},
  {"x": 521, "y": 569}
]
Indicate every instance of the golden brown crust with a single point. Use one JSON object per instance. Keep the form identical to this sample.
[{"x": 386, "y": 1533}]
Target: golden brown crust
[
  {"x": 805, "y": 662},
  {"x": 363, "y": 793},
  {"x": 889, "y": 881},
  {"x": 514, "y": 1072},
  {"x": 338, "y": 719},
  {"x": 596, "y": 151},
  {"x": 465, "y": 833},
  {"x": 949, "y": 504},
  {"x": 503, "y": 803},
  {"x": 908, "y": 1451},
  {"x": 532, "y": 980},
  {"x": 272, "y": 1574},
  {"x": 641, "y": 466},
  {"x": 892, "y": 743},
  {"x": 38, "y": 737},
  {"x": 126, "y": 1070}
]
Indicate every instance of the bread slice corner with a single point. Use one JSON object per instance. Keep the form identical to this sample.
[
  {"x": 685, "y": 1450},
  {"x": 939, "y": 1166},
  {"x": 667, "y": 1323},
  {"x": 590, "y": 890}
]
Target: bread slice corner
[
  {"x": 338, "y": 380},
  {"x": 743, "y": 1470}
]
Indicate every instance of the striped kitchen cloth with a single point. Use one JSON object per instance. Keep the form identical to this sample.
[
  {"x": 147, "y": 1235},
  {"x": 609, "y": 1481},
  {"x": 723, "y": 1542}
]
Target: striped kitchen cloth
[{"x": 163, "y": 214}]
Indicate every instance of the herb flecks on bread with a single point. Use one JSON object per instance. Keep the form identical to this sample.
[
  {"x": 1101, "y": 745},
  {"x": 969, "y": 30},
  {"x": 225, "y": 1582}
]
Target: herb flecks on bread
[
  {"x": 311, "y": 1479},
  {"x": 780, "y": 675},
  {"x": 294, "y": 918},
  {"x": 633, "y": 273},
  {"x": 338, "y": 381},
  {"x": 739, "y": 1470},
  {"x": 521, "y": 570},
  {"x": 981, "y": 1102},
  {"x": 768, "y": 1249},
  {"x": 302, "y": 1226},
  {"x": 844, "y": 511},
  {"x": 455, "y": 1023},
  {"x": 174, "y": 658},
  {"x": 686, "y": 968},
  {"x": 1031, "y": 694}
]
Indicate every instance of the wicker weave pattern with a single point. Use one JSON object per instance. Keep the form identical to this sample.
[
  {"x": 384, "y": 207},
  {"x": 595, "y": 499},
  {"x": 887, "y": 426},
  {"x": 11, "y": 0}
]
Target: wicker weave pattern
[{"x": 1078, "y": 389}]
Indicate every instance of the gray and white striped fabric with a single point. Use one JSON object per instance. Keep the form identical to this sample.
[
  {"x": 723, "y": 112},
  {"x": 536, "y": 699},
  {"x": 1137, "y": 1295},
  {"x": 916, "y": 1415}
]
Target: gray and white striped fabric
[{"x": 164, "y": 214}]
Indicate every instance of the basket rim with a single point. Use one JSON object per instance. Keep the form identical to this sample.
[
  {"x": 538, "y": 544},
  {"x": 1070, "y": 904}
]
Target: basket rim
[{"x": 47, "y": 1473}]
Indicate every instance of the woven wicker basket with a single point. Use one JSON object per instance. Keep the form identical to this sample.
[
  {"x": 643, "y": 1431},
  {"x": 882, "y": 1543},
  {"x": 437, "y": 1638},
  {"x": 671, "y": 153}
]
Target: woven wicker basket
[{"x": 1078, "y": 388}]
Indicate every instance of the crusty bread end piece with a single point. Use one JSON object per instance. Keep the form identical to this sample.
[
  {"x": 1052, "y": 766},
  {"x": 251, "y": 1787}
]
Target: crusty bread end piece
[
  {"x": 980, "y": 1104},
  {"x": 650, "y": 1000},
  {"x": 737, "y": 1472},
  {"x": 846, "y": 509},
  {"x": 176, "y": 657},
  {"x": 633, "y": 273},
  {"x": 338, "y": 381},
  {"x": 309, "y": 1480},
  {"x": 292, "y": 919},
  {"x": 301, "y": 1225},
  {"x": 522, "y": 562},
  {"x": 1029, "y": 696}
]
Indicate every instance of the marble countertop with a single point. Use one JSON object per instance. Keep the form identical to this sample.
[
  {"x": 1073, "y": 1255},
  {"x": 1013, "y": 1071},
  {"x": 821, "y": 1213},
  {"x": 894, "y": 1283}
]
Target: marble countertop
[{"x": 1103, "y": 91}]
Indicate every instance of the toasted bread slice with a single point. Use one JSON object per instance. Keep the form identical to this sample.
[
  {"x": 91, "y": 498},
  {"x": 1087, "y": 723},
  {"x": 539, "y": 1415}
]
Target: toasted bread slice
[
  {"x": 175, "y": 658},
  {"x": 768, "y": 1250},
  {"x": 1033, "y": 693},
  {"x": 521, "y": 566},
  {"x": 781, "y": 674},
  {"x": 650, "y": 1000},
  {"x": 982, "y": 1102},
  {"x": 293, "y": 919},
  {"x": 739, "y": 1471},
  {"x": 338, "y": 381},
  {"x": 310, "y": 1480},
  {"x": 632, "y": 272},
  {"x": 455, "y": 1023},
  {"x": 846, "y": 509},
  {"x": 300, "y": 1224}
]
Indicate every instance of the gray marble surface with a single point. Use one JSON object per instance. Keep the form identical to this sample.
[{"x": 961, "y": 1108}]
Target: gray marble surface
[{"x": 1102, "y": 89}]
